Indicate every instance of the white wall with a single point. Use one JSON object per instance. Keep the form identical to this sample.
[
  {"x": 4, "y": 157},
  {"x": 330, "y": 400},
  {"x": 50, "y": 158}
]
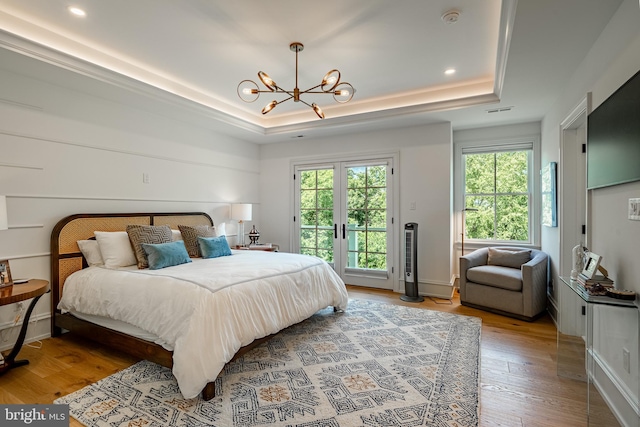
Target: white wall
[
  {"x": 424, "y": 173},
  {"x": 65, "y": 152},
  {"x": 613, "y": 59}
]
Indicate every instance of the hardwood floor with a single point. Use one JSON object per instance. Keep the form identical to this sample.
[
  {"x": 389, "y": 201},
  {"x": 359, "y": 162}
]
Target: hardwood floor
[{"x": 519, "y": 385}]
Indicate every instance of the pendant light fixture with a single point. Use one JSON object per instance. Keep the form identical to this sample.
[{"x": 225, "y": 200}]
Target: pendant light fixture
[{"x": 342, "y": 92}]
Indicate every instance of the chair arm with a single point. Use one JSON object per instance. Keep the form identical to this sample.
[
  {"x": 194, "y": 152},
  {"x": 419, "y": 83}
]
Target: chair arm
[
  {"x": 534, "y": 284},
  {"x": 474, "y": 259}
]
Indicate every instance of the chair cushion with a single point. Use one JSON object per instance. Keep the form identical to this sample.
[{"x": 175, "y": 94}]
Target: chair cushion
[
  {"x": 496, "y": 276},
  {"x": 508, "y": 258}
]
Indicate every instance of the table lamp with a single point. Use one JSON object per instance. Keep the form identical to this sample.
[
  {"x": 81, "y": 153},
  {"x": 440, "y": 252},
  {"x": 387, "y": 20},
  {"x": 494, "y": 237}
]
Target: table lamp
[{"x": 241, "y": 212}]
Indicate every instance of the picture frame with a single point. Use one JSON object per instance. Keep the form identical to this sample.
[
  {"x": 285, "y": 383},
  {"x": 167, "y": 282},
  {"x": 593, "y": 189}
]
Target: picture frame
[
  {"x": 548, "y": 181},
  {"x": 5, "y": 274},
  {"x": 634, "y": 209},
  {"x": 591, "y": 266}
]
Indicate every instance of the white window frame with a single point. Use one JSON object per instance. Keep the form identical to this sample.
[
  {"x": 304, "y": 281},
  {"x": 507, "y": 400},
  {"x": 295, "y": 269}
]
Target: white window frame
[{"x": 492, "y": 146}]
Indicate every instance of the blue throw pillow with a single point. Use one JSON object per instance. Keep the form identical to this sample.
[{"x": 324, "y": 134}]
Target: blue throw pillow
[
  {"x": 214, "y": 247},
  {"x": 163, "y": 255}
]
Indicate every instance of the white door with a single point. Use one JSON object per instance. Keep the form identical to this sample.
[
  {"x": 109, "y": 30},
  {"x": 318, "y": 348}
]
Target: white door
[{"x": 344, "y": 216}]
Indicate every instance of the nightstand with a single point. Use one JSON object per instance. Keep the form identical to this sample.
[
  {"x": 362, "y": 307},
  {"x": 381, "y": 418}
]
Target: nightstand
[{"x": 34, "y": 288}]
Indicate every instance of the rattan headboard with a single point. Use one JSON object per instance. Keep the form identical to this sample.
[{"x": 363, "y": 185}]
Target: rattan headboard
[{"x": 66, "y": 257}]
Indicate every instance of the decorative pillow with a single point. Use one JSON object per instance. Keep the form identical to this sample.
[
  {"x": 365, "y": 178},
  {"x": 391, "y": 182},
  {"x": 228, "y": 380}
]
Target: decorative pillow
[
  {"x": 153, "y": 234},
  {"x": 214, "y": 247},
  {"x": 220, "y": 230},
  {"x": 91, "y": 251},
  {"x": 163, "y": 255},
  {"x": 190, "y": 236},
  {"x": 115, "y": 248},
  {"x": 176, "y": 235},
  {"x": 508, "y": 258}
]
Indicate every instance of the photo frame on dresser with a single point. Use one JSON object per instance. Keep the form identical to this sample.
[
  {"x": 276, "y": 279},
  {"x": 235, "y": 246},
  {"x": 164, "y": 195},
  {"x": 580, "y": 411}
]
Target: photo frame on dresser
[
  {"x": 591, "y": 265},
  {"x": 5, "y": 274}
]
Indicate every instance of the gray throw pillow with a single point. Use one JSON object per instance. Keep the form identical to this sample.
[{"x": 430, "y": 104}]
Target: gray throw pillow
[
  {"x": 190, "y": 236},
  {"x": 150, "y": 234},
  {"x": 508, "y": 258}
]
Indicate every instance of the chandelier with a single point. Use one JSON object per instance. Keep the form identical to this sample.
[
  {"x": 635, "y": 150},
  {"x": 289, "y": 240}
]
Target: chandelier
[{"x": 249, "y": 91}]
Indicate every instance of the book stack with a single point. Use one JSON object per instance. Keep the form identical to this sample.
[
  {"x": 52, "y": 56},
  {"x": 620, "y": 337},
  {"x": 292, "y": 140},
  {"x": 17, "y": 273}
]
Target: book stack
[
  {"x": 264, "y": 246},
  {"x": 597, "y": 279},
  {"x": 597, "y": 285}
]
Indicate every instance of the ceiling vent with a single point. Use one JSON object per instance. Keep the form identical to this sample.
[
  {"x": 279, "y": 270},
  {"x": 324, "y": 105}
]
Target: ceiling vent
[
  {"x": 500, "y": 110},
  {"x": 451, "y": 16}
]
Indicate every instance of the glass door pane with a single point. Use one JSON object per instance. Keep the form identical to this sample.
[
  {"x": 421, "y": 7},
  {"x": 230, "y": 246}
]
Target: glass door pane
[
  {"x": 316, "y": 213},
  {"x": 367, "y": 217}
]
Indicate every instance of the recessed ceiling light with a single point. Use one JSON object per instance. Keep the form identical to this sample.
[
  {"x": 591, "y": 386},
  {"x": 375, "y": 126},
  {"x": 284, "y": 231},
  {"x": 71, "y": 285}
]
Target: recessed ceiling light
[
  {"x": 77, "y": 11},
  {"x": 450, "y": 71}
]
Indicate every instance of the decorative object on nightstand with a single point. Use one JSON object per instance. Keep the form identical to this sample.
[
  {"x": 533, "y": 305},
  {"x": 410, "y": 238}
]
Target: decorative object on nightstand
[
  {"x": 9, "y": 295},
  {"x": 254, "y": 235},
  {"x": 5, "y": 271},
  {"x": 241, "y": 212},
  {"x": 5, "y": 274}
]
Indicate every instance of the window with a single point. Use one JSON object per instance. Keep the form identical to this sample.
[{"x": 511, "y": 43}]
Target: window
[
  {"x": 497, "y": 192},
  {"x": 496, "y": 196}
]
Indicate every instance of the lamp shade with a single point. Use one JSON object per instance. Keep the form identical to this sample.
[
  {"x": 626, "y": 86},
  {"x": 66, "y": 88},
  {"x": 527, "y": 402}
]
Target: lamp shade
[
  {"x": 4, "y": 221},
  {"x": 241, "y": 211}
]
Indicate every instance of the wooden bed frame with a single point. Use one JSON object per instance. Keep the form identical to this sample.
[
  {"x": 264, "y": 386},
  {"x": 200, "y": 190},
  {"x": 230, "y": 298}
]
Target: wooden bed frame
[{"x": 66, "y": 259}]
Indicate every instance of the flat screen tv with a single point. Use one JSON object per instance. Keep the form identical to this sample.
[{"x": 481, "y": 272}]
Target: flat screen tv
[{"x": 613, "y": 138}]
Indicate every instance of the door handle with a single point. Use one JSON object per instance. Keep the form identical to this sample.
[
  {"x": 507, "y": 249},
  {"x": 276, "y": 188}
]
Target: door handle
[
  {"x": 344, "y": 231},
  {"x": 335, "y": 231}
]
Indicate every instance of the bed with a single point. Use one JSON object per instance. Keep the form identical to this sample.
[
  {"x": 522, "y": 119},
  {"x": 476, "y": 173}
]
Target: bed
[{"x": 193, "y": 317}]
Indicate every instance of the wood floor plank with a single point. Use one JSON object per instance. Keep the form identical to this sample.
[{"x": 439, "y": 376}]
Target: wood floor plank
[{"x": 519, "y": 385}]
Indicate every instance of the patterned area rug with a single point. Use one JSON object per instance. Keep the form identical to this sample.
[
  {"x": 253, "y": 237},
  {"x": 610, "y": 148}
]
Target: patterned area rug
[{"x": 373, "y": 365}]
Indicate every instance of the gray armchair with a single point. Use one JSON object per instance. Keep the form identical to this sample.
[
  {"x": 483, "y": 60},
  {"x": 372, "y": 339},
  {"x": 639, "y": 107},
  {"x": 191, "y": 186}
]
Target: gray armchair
[{"x": 505, "y": 280}]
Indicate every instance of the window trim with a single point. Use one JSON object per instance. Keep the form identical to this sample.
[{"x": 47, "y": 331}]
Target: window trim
[{"x": 531, "y": 142}]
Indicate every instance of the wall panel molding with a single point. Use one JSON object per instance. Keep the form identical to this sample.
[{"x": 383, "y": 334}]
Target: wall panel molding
[
  {"x": 111, "y": 199},
  {"x": 15, "y": 165},
  {"x": 23, "y": 226},
  {"x": 21, "y": 104},
  {"x": 27, "y": 256},
  {"x": 126, "y": 152}
]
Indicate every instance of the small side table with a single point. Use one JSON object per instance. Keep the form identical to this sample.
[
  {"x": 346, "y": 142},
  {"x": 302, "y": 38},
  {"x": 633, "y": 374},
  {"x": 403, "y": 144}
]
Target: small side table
[{"x": 34, "y": 288}]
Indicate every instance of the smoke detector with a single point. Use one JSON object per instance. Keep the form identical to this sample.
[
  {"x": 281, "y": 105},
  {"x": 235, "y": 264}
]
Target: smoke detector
[{"x": 451, "y": 16}]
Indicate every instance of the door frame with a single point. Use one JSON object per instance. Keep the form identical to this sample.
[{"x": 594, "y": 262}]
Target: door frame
[
  {"x": 393, "y": 251},
  {"x": 572, "y": 197}
]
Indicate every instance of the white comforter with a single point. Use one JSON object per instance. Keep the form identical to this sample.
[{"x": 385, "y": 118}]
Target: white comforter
[{"x": 207, "y": 309}]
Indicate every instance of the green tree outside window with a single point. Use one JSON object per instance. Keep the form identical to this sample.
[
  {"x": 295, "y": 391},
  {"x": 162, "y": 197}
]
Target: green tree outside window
[{"x": 498, "y": 195}]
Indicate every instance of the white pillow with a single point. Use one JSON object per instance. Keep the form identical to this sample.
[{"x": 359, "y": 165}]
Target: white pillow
[
  {"x": 91, "y": 251},
  {"x": 176, "y": 235},
  {"x": 115, "y": 248},
  {"x": 220, "y": 230}
]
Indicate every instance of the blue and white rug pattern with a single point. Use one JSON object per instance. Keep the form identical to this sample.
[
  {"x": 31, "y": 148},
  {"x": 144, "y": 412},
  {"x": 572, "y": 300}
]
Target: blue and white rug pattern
[{"x": 373, "y": 365}]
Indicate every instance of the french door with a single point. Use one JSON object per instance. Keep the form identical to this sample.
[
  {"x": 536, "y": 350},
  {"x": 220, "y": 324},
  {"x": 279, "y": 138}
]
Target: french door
[{"x": 344, "y": 216}]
